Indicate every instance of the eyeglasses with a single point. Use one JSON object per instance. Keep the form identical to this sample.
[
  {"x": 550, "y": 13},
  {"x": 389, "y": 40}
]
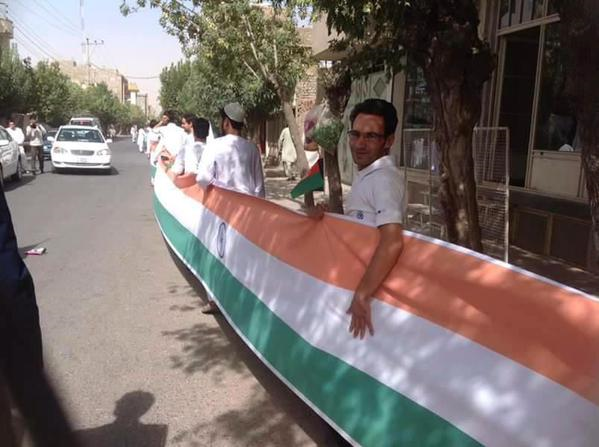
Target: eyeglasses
[{"x": 370, "y": 137}]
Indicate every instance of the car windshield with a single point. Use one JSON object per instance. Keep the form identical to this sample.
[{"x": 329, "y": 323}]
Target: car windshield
[{"x": 81, "y": 135}]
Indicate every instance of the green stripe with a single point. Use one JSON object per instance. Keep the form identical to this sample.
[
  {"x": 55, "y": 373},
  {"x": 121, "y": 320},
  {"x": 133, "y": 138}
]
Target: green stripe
[
  {"x": 369, "y": 411},
  {"x": 312, "y": 183},
  {"x": 152, "y": 171}
]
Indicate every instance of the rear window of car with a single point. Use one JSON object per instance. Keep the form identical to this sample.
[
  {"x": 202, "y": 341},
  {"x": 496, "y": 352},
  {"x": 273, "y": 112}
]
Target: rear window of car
[
  {"x": 82, "y": 122},
  {"x": 80, "y": 135}
]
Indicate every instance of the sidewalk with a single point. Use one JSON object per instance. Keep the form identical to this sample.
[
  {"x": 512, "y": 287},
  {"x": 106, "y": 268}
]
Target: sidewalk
[{"x": 278, "y": 190}]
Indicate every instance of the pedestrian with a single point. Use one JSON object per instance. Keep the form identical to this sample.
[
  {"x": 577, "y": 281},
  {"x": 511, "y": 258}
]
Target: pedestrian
[
  {"x": 377, "y": 198},
  {"x": 172, "y": 137},
  {"x": 231, "y": 162},
  {"x": 185, "y": 167},
  {"x": 17, "y": 134},
  {"x": 133, "y": 132},
  {"x": 287, "y": 153},
  {"x": 141, "y": 139},
  {"x": 35, "y": 135},
  {"x": 153, "y": 137},
  {"x": 21, "y": 357}
]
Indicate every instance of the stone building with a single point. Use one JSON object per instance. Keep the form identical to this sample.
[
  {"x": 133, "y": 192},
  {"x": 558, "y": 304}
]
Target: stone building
[{"x": 85, "y": 75}]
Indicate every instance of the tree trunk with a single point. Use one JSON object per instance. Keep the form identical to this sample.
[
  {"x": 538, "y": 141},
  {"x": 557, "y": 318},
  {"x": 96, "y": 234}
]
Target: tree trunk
[
  {"x": 296, "y": 137},
  {"x": 579, "y": 35},
  {"x": 456, "y": 111},
  {"x": 333, "y": 175}
]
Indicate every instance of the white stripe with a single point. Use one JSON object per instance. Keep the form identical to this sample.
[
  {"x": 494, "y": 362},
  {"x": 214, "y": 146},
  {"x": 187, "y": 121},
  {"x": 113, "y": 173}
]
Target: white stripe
[{"x": 492, "y": 398}]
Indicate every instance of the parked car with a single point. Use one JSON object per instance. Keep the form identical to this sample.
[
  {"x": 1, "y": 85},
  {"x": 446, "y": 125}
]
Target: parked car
[
  {"x": 80, "y": 147},
  {"x": 48, "y": 141},
  {"x": 10, "y": 158}
]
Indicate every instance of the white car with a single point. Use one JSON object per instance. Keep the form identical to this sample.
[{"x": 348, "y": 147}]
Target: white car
[
  {"x": 80, "y": 147},
  {"x": 10, "y": 158}
]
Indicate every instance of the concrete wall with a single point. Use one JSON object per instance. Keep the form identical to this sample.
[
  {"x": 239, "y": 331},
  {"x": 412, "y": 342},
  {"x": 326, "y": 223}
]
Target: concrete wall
[
  {"x": 80, "y": 74},
  {"x": 6, "y": 33}
]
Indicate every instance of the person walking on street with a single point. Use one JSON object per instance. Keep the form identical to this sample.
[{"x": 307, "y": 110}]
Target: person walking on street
[
  {"x": 231, "y": 162},
  {"x": 141, "y": 139},
  {"x": 17, "y": 134},
  {"x": 133, "y": 133},
  {"x": 35, "y": 136},
  {"x": 287, "y": 153}
]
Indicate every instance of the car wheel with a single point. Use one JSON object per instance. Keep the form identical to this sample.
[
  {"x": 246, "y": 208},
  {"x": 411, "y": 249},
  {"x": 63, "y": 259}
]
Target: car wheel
[{"x": 17, "y": 176}]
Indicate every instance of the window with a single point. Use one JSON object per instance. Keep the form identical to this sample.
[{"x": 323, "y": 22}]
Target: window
[
  {"x": 556, "y": 120},
  {"x": 418, "y": 113},
  {"x": 516, "y": 12},
  {"x": 80, "y": 135}
]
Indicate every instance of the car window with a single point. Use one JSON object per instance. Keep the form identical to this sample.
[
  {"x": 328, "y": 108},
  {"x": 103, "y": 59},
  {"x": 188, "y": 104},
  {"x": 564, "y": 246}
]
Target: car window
[
  {"x": 80, "y": 135},
  {"x": 82, "y": 122},
  {"x": 4, "y": 135}
]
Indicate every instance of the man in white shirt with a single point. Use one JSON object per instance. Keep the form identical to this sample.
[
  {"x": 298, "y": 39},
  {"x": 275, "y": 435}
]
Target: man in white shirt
[
  {"x": 172, "y": 138},
  {"x": 35, "y": 135},
  {"x": 287, "y": 153},
  {"x": 232, "y": 162},
  {"x": 17, "y": 134},
  {"x": 184, "y": 169},
  {"x": 377, "y": 198}
]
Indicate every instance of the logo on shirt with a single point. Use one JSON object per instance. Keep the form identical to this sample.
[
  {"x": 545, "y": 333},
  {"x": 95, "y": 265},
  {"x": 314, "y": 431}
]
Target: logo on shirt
[
  {"x": 221, "y": 240},
  {"x": 360, "y": 215}
]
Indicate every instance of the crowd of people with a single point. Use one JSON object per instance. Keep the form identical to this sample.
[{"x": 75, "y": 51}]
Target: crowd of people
[{"x": 377, "y": 197}]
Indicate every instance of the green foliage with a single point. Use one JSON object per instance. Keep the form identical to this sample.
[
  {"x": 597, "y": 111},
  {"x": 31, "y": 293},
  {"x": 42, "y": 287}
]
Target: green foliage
[
  {"x": 52, "y": 99},
  {"x": 327, "y": 135},
  {"x": 16, "y": 83}
]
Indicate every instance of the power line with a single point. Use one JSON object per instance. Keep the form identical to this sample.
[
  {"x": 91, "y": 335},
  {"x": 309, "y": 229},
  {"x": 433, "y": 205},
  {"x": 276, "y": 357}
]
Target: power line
[
  {"x": 40, "y": 40},
  {"x": 59, "y": 17},
  {"x": 33, "y": 42}
]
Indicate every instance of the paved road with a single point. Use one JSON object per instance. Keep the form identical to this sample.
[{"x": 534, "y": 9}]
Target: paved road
[{"x": 135, "y": 361}]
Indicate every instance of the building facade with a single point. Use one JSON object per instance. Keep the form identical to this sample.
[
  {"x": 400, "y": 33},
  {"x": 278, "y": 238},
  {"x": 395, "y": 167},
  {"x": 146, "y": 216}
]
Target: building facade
[
  {"x": 91, "y": 75},
  {"x": 548, "y": 205}
]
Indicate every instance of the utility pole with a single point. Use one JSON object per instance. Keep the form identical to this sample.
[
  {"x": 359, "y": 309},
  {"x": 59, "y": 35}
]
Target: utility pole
[{"x": 87, "y": 44}]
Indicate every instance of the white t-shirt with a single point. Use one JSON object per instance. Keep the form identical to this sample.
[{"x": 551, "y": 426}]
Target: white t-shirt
[
  {"x": 188, "y": 159},
  {"x": 16, "y": 134},
  {"x": 377, "y": 195},
  {"x": 172, "y": 138},
  {"x": 232, "y": 162}
]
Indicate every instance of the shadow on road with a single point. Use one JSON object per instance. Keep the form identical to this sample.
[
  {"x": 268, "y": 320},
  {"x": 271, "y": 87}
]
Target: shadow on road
[
  {"x": 86, "y": 172},
  {"x": 205, "y": 350},
  {"x": 26, "y": 180},
  {"x": 127, "y": 429}
]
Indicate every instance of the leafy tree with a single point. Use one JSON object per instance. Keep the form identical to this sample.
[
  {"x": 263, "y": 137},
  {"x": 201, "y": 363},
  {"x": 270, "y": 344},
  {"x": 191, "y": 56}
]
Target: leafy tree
[
  {"x": 238, "y": 39},
  {"x": 16, "y": 83},
  {"x": 579, "y": 36},
  {"x": 52, "y": 90},
  {"x": 441, "y": 37},
  {"x": 172, "y": 81}
]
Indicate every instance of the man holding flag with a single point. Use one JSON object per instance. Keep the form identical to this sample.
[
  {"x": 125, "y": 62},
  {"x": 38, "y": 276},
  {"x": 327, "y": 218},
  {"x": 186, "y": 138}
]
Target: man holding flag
[{"x": 377, "y": 198}]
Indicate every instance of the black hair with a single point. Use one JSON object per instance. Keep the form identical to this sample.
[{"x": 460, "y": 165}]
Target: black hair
[
  {"x": 234, "y": 124},
  {"x": 189, "y": 117},
  {"x": 201, "y": 128},
  {"x": 153, "y": 123},
  {"x": 171, "y": 115},
  {"x": 378, "y": 107}
]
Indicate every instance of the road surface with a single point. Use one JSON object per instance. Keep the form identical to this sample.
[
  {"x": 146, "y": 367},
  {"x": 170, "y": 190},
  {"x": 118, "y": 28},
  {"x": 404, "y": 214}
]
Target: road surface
[{"x": 135, "y": 361}]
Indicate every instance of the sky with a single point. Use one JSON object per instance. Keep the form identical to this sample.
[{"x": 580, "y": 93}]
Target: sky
[{"x": 136, "y": 45}]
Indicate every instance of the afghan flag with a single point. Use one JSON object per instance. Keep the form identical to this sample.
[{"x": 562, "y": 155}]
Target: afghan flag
[{"x": 313, "y": 181}]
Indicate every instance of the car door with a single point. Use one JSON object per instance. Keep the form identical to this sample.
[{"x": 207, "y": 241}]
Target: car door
[{"x": 9, "y": 154}]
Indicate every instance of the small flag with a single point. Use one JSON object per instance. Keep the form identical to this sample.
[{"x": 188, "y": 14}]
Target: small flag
[{"x": 313, "y": 181}]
